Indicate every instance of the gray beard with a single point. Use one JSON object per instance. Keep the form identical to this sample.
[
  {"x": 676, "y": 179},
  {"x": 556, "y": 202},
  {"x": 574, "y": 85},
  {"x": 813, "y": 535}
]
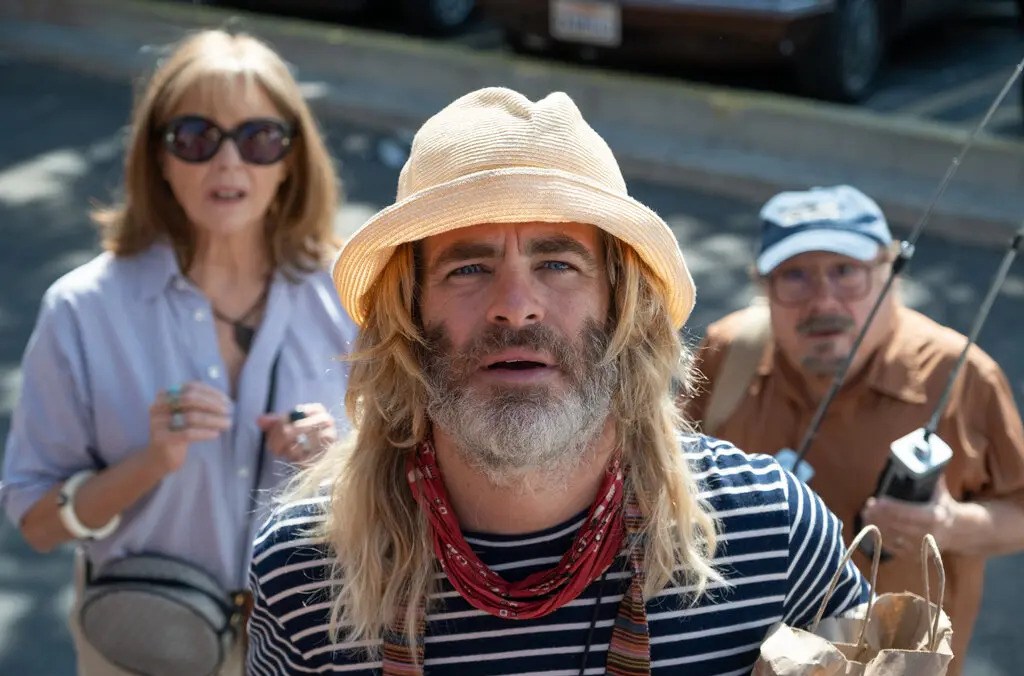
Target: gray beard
[{"x": 515, "y": 434}]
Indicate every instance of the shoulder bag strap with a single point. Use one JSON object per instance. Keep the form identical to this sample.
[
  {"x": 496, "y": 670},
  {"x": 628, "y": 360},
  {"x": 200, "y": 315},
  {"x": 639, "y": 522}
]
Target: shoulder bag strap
[
  {"x": 261, "y": 454},
  {"x": 739, "y": 366}
]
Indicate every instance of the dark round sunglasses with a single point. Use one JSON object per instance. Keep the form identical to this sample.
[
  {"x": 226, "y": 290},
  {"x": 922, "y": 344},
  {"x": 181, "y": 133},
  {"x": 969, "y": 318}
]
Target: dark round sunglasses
[{"x": 196, "y": 139}]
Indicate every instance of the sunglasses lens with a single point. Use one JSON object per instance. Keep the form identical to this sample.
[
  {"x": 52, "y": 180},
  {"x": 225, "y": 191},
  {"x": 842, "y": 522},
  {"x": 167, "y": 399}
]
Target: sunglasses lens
[
  {"x": 262, "y": 141},
  {"x": 193, "y": 139}
]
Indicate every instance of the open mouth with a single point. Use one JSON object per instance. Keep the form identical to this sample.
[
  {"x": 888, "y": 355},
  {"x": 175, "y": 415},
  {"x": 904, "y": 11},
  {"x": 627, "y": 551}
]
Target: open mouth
[
  {"x": 516, "y": 365},
  {"x": 227, "y": 196}
]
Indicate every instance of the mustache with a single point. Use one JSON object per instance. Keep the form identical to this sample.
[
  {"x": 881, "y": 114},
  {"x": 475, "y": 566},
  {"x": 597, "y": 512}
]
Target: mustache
[
  {"x": 824, "y": 324},
  {"x": 536, "y": 337}
]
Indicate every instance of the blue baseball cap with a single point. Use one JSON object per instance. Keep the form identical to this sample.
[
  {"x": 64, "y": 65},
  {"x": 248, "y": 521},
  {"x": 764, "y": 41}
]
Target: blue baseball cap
[{"x": 840, "y": 219}]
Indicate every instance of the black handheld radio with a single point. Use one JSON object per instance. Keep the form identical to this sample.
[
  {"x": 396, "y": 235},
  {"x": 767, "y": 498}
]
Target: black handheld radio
[{"x": 917, "y": 460}]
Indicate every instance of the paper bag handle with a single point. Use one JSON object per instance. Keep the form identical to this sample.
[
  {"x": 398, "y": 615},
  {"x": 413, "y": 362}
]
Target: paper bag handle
[
  {"x": 930, "y": 550},
  {"x": 875, "y": 561}
]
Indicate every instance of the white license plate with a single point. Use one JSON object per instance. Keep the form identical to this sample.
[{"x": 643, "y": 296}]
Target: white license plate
[{"x": 591, "y": 22}]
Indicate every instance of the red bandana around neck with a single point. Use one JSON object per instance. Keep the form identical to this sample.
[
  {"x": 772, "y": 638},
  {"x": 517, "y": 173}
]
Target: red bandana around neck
[{"x": 596, "y": 545}]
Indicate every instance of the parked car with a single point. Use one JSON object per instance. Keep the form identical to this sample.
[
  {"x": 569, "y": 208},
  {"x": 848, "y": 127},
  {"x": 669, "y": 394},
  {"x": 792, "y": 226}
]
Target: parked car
[
  {"x": 428, "y": 16},
  {"x": 438, "y": 16},
  {"x": 836, "y": 46}
]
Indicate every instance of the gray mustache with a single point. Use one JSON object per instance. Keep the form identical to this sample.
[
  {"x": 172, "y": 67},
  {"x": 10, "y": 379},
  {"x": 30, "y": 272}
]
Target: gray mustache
[{"x": 822, "y": 323}]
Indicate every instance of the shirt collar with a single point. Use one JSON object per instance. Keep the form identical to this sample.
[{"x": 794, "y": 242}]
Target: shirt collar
[
  {"x": 893, "y": 370},
  {"x": 158, "y": 268}
]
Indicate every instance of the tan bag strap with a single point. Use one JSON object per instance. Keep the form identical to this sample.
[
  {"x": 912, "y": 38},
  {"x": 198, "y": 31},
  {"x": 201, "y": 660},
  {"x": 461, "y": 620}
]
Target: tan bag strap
[
  {"x": 930, "y": 550},
  {"x": 875, "y": 561},
  {"x": 739, "y": 366}
]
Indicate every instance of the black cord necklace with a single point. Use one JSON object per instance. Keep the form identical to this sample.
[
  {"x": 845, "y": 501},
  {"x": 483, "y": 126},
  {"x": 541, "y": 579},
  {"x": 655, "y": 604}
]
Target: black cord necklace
[
  {"x": 243, "y": 332},
  {"x": 593, "y": 620}
]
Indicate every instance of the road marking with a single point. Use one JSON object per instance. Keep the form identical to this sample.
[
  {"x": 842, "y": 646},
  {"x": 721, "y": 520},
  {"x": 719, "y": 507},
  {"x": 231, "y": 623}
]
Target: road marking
[{"x": 949, "y": 98}]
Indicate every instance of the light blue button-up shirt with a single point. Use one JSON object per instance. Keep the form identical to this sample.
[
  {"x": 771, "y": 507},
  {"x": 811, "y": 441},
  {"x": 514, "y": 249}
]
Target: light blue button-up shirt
[{"x": 114, "y": 333}]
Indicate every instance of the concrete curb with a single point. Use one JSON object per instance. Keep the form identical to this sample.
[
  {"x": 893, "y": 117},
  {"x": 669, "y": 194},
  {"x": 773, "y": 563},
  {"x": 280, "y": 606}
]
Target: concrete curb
[{"x": 744, "y": 145}]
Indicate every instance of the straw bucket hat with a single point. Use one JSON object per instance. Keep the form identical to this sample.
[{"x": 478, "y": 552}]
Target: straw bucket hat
[{"x": 494, "y": 156}]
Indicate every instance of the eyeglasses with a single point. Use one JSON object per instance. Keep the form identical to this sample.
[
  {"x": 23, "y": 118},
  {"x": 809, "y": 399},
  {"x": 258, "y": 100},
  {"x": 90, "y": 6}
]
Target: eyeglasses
[
  {"x": 197, "y": 139},
  {"x": 795, "y": 285}
]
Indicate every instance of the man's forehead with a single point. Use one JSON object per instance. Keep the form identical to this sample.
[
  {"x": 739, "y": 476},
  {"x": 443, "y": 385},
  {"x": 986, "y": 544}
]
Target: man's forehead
[{"x": 496, "y": 234}]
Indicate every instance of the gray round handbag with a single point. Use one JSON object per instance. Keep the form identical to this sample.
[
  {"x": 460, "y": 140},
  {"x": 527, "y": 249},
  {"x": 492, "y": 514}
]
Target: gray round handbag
[{"x": 159, "y": 616}]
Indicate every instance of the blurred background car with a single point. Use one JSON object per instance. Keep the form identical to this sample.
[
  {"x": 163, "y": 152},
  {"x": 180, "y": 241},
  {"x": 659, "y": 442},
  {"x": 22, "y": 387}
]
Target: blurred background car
[
  {"x": 439, "y": 17},
  {"x": 836, "y": 47}
]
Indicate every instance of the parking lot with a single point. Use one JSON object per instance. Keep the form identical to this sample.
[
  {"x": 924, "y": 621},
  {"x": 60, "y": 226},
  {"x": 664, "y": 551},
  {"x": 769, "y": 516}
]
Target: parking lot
[{"x": 948, "y": 72}]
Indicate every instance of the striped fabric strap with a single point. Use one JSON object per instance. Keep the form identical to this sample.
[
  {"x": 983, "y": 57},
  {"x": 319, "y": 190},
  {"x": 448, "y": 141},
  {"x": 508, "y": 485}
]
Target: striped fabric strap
[
  {"x": 629, "y": 652},
  {"x": 399, "y": 659}
]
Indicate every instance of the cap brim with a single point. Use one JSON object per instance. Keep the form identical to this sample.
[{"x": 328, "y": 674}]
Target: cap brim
[
  {"x": 852, "y": 244},
  {"x": 512, "y": 195}
]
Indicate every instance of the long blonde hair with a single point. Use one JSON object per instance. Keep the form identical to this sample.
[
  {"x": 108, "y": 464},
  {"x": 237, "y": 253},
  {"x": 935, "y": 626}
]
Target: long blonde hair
[
  {"x": 217, "y": 64},
  {"x": 378, "y": 535}
]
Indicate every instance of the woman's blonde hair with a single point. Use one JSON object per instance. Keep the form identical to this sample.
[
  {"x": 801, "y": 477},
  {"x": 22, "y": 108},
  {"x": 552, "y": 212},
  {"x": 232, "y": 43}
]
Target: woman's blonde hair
[
  {"x": 377, "y": 533},
  {"x": 216, "y": 64}
]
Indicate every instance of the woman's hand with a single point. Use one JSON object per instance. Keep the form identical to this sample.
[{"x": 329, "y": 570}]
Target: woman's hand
[
  {"x": 301, "y": 434},
  {"x": 182, "y": 416}
]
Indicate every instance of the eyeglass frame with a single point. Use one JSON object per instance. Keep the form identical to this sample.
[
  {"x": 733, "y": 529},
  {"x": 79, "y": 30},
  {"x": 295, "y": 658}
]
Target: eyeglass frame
[{"x": 868, "y": 268}]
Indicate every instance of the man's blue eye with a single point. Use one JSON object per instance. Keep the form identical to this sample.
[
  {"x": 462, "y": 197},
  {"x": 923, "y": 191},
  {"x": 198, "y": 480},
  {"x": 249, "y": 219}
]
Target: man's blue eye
[
  {"x": 467, "y": 269},
  {"x": 557, "y": 265}
]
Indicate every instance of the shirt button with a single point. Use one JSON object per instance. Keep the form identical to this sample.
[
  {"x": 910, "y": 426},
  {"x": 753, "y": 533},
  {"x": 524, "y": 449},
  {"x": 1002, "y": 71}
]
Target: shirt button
[
  {"x": 199, "y": 315},
  {"x": 213, "y": 372},
  {"x": 243, "y": 472},
  {"x": 180, "y": 284}
]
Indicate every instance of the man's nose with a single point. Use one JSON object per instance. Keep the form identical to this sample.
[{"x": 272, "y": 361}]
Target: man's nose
[
  {"x": 514, "y": 301},
  {"x": 822, "y": 291}
]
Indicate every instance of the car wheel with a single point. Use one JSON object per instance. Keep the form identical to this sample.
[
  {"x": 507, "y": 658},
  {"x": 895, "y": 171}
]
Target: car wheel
[
  {"x": 845, "y": 58},
  {"x": 438, "y": 16}
]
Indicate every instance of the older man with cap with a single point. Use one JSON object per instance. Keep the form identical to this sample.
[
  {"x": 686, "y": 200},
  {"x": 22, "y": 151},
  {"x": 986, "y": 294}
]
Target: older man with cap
[
  {"x": 520, "y": 494},
  {"x": 822, "y": 264}
]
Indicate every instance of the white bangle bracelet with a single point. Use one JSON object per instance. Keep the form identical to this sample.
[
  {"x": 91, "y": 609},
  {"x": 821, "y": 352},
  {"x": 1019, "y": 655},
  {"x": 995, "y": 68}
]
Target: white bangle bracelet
[{"x": 66, "y": 502}]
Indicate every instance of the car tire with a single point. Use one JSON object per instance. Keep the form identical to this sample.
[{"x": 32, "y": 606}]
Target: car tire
[
  {"x": 439, "y": 17},
  {"x": 844, "y": 59}
]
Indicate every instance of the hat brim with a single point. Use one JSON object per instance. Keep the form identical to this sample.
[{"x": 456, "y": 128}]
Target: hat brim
[
  {"x": 512, "y": 195},
  {"x": 843, "y": 242}
]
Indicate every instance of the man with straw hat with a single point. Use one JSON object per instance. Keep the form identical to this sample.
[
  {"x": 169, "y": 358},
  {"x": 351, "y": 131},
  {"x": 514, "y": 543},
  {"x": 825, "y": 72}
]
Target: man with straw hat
[{"x": 519, "y": 494}]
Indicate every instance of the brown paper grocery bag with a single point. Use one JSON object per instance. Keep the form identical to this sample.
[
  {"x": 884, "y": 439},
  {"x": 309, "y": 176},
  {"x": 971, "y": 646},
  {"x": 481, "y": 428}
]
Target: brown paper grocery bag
[{"x": 895, "y": 635}]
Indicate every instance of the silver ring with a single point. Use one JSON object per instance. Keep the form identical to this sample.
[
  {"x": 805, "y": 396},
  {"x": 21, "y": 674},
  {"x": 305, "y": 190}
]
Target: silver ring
[
  {"x": 303, "y": 441},
  {"x": 178, "y": 422}
]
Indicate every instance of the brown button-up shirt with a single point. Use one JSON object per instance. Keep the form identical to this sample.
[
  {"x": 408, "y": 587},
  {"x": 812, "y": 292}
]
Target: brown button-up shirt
[{"x": 893, "y": 395}]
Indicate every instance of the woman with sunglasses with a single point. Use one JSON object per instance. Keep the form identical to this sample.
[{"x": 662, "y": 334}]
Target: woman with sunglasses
[{"x": 197, "y": 358}]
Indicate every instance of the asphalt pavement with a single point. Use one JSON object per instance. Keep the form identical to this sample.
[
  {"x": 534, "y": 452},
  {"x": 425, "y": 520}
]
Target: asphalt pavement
[{"x": 61, "y": 154}]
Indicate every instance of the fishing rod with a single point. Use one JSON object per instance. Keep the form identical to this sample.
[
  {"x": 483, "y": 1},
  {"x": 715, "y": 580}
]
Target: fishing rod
[
  {"x": 918, "y": 459},
  {"x": 794, "y": 460}
]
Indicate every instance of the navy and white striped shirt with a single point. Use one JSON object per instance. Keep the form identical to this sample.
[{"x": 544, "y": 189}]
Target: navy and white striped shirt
[{"x": 779, "y": 548}]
